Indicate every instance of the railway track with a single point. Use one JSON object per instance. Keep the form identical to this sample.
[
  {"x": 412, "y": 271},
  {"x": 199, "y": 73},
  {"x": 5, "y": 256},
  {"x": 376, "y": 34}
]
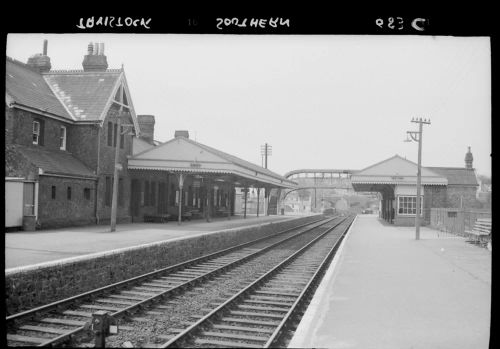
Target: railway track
[
  {"x": 60, "y": 322},
  {"x": 264, "y": 313}
]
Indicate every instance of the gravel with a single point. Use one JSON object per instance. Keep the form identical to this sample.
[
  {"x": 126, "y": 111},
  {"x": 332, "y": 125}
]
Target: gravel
[{"x": 196, "y": 302}]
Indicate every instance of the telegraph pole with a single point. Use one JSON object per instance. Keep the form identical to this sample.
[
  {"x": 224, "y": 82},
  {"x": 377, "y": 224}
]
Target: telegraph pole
[
  {"x": 265, "y": 151},
  {"x": 115, "y": 173},
  {"x": 117, "y": 166},
  {"x": 416, "y": 136}
]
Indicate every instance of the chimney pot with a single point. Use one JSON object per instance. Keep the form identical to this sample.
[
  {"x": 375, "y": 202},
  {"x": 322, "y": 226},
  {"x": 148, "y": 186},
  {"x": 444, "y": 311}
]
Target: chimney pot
[
  {"x": 146, "y": 127},
  {"x": 40, "y": 62},
  {"x": 469, "y": 159},
  {"x": 95, "y": 60}
]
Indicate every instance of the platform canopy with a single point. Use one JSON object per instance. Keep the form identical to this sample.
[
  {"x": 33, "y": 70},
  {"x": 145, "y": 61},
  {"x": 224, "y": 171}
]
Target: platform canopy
[
  {"x": 183, "y": 155},
  {"x": 396, "y": 171}
]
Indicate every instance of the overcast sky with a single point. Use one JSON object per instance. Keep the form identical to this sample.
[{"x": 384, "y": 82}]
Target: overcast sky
[{"x": 326, "y": 101}]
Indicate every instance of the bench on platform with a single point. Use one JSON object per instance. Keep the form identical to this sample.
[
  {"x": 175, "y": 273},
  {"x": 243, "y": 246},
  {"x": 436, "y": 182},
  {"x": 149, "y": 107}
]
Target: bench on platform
[
  {"x": 157, "y": 218},
  {"x": 481, "y": 232},
  {"x": 174, "y": 213},
  {"x": 195, "y": 213},
  {"x": 221, "y": 212}
]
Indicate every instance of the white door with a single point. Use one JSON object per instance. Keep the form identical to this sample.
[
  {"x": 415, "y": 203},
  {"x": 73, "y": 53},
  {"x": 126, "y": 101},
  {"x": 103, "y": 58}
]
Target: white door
[{"x": 13, "y": 203}]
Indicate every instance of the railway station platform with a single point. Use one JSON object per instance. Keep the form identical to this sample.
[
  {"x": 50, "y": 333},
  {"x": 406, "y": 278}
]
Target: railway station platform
[
  {"x": 30, "y": 248},
  {"x": 384, "y": 289}
]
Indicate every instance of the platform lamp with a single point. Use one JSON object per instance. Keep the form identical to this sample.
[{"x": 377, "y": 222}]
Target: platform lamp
[
  {"x": 117, "y": 165},
  {"x": 416, "y": 136}
]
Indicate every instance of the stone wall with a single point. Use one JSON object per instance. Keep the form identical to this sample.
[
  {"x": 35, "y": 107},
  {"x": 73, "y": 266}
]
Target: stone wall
[
  {"x": 81, "y": 141},
  {"x": 29, "y": 287},
  {"x": 21, "y": 129},
  {"x": 16, "y": 165},
  {"x": 461, "y": 195},
  {"x": 61, "y": 211}
]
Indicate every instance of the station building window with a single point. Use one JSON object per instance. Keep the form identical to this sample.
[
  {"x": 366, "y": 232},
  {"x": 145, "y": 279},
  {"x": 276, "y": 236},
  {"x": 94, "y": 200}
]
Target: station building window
[
  {"x": 115, "y": 131},
  {"x": 68, "y": 193},
  {"x": 53, "y": 192},
  {"x": 122, "y": 137},
  {"x": 110, "y": 133},
  {"x": 86, "y": 193},
  {"x": 407, "y": 205},
  {"x": 62, "y": 138},
  {"x": 38, "y": 131}
]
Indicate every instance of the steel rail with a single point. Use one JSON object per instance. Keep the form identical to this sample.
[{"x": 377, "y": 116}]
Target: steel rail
[
  {"x": 301, "y": 299},
  {"x": 186, "y": 333},
  {"x": 54, "y": 305},
  {"x": 173, "y": 290}
]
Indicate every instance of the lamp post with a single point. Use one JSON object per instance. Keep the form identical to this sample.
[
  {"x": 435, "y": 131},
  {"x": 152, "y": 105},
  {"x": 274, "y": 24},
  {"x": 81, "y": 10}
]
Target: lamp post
[
  {"x": 416, "y": 136},
  {"x": 117, "y": 167}
]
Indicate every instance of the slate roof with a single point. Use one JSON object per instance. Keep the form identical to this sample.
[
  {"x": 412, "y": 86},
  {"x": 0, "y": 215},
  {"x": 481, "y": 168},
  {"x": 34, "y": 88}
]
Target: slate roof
[
  {"x": 84, "y": 94},
  {"x": 179, "y": 152},
  {"x": 397, "y": 170},
  {"x": 456, "y": 175},
  {"x": 28, "y": 87},
  {"x": 71, "y": 94},
  {"x": 237, "y": 161},
  {"x": 50, "y": 162}
]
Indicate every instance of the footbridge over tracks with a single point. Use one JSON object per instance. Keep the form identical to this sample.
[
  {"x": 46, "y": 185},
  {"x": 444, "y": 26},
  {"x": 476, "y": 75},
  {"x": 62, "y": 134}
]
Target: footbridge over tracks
[{"x": 316, "y": 187}]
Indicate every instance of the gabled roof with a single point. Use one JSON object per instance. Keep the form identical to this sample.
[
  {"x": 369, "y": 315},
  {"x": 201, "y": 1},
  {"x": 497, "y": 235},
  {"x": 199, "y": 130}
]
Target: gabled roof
[
  {"x": 60, "y": 163},
  {"x": 84, "y": 95},
  {"x": 237, "y": 160},
  {"x": 457, "y": 175},
  {"x": 74, "y": 95},
  {"x": 396, "y": 170},
  {"x": 185, "y": 155},
  {"x": 27, "y": 87}
]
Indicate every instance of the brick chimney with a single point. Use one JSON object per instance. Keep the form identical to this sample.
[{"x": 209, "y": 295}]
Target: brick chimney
[
  {"x": 468, "y": 159},
  {"x": 146, "y": 127},
  {"x": 40, "y": 61},
  {"x": 181, "y": 133},
  {"x": 95, "y": 60}
]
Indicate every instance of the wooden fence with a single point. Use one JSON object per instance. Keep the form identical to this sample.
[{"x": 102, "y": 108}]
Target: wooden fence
[{"x": 455, "y": 220}]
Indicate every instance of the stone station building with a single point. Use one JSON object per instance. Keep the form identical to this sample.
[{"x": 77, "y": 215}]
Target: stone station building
[
  {"x": 62, "y": 132},
  {"x": 395, "y": 180}
]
